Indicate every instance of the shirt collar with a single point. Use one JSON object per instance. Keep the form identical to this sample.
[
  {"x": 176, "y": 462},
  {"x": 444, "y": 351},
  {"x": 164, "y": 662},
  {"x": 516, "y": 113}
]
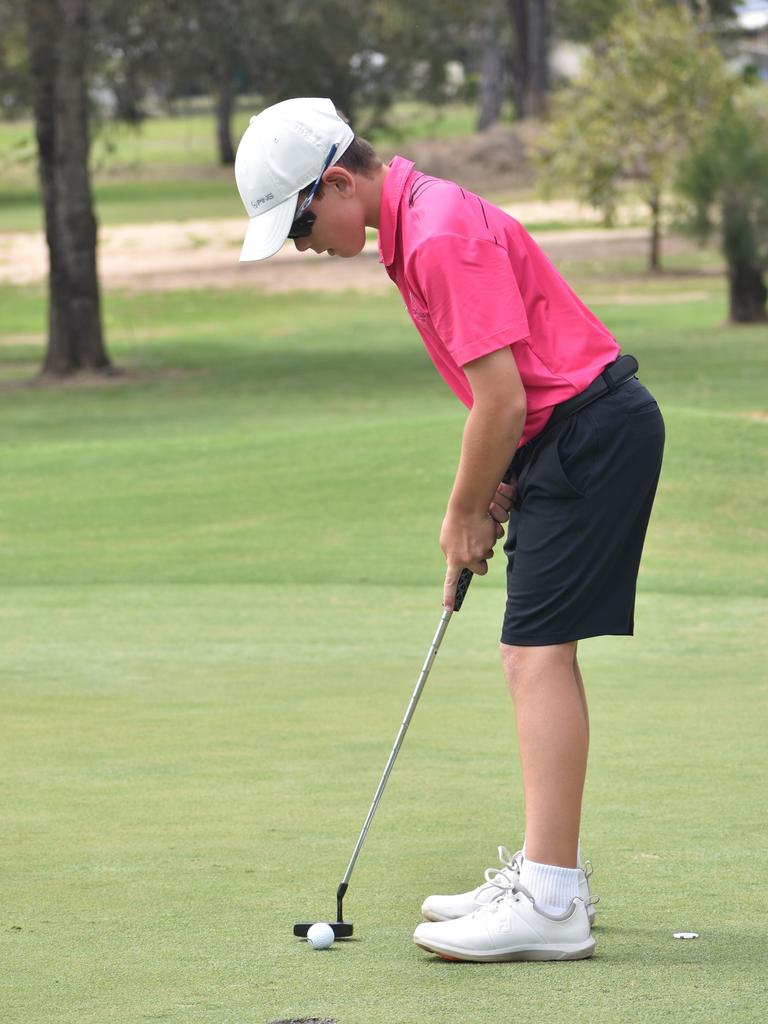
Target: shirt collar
[{"x": 391, "y": 195}]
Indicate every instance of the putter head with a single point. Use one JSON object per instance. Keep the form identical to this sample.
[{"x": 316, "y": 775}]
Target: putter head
[{"x": 341, "y": 929}]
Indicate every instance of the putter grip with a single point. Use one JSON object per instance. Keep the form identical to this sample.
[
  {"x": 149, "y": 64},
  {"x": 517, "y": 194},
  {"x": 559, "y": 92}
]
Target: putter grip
[{"x": 462, "y": 587}]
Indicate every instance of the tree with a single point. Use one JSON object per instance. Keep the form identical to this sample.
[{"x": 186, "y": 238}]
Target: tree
[
  {"x": 58, "y": 46},
  {"x": 145, "y": 47},
  {"x": 533, "y": 34},
  {"x": 355, "y": 53},
  {"x": 133, "y": 48},
  {"x": 587, "y": 20},
  {"x": 492, "y": 64},
  {"x": 726, "y": 181},
  {"x": 218, "y": 33},
  {"x": 650, "y": 91}
]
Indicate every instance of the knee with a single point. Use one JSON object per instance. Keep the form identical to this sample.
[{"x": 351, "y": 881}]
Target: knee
[
  {"x": 513, "y": 662},
  {"x": 528, "y": 664}
]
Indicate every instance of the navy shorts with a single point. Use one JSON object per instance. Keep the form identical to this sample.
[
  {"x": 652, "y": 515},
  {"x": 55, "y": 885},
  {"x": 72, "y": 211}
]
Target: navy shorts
[{"x": 585, "y": 489}]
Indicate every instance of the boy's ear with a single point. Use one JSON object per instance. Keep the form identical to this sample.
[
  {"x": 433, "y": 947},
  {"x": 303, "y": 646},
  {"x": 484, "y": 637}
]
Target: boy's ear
[{"x": 340, "y": 179}]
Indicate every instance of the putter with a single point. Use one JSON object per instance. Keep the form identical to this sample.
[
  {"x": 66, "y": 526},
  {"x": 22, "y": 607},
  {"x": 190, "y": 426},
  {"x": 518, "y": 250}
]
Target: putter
[{"x": 343, "y": 929}]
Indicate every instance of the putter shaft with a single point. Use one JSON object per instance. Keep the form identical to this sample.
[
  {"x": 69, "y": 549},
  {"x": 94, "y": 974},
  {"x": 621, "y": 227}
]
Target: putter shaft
[
  {"x": 434, "y": 647},
  {"x": 465, "y": 578}
]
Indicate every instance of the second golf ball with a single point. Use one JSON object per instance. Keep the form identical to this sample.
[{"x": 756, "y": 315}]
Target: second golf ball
[{"x": 320, "y": 936}]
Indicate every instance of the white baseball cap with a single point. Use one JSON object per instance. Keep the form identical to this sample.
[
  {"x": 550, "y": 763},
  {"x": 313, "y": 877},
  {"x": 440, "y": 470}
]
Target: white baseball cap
[{"x": 283, "y": 150}]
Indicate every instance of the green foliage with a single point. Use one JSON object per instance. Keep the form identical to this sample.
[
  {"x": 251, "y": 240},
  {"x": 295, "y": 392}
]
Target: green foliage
[
  {"x": 274, "y": 49},
  {"x": 728, "y": 174},
  {"x": 726, "y": 179},
  {"x": 586, "y": 20},
  {"x": 14, "y": 63},
  {"x": 649, "y": 91}
]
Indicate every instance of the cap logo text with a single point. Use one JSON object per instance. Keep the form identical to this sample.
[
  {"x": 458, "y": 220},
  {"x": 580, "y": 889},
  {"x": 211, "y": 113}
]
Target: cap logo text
[{"x": 262, "y": 199}]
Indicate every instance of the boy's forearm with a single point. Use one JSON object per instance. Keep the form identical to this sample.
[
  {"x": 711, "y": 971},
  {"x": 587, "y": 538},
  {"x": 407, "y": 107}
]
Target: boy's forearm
[{"x": 491, "y": 436}]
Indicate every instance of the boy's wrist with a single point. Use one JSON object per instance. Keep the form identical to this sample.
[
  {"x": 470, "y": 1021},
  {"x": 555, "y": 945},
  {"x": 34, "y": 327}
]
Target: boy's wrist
[{"x": 466, "y": 507}]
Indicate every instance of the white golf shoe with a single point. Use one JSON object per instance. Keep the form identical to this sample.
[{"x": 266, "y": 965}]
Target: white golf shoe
[
  {"x": 510, "y": 928},
  {"x": 448, "y": 908}
]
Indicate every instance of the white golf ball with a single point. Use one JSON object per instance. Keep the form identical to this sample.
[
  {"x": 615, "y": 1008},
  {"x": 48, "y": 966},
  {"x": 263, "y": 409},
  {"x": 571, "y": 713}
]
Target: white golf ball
[{"x": 320, "y": 936}]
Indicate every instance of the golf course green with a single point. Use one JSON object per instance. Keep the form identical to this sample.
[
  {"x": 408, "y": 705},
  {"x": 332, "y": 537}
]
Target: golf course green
[{"x": 221, "y": 574}]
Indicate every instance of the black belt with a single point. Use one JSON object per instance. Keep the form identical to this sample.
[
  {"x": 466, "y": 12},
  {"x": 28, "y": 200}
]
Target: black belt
[{"x": 613, "y": 376}]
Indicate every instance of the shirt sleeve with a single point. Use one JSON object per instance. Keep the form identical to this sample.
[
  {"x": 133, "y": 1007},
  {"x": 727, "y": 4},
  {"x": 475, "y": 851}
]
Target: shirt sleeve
[{"x": 470, "y": 294}]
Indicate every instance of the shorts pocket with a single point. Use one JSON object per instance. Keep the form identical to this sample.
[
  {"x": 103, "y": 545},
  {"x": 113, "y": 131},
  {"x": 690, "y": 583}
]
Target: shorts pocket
[
  {"x": 646, "y": 407},
  {"x": 565, "y": 466},
  {"x": 565, "y": 486}
]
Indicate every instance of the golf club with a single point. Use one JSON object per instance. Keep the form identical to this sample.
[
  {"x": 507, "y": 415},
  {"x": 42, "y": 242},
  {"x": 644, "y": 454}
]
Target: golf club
[{"x": 343, "y": 929}]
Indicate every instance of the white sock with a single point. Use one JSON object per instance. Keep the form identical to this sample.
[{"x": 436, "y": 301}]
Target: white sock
[{"x": 553, "y": 888}]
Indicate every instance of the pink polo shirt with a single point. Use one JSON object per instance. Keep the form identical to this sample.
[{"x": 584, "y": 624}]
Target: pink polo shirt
[{"x": 474, "y": 281}]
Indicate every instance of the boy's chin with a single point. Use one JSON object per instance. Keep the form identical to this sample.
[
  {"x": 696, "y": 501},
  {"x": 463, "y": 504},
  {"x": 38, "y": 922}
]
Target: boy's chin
[{"x": 348, "y": 252}]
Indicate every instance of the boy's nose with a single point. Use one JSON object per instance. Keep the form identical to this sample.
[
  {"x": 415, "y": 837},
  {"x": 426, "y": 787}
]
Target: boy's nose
[{"x": 302, "y": 244}]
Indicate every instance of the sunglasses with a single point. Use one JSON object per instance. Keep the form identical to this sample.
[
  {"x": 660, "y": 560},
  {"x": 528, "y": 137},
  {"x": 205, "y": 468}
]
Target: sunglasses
[{"x": 304, "y": 219}]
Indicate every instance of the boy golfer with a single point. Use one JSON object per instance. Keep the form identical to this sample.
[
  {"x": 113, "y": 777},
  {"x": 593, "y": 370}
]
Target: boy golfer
[{"x": 562, "y": 441}]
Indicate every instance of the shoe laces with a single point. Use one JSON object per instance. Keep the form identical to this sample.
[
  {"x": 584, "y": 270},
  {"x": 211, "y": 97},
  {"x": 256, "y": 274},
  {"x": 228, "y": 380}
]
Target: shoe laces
[
  {"x": 501, "y": 878},
  {"x": 588, "y": 870},
  {"x": 511, "y": 892}
]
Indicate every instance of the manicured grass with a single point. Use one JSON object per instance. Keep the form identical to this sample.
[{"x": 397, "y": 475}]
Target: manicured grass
[
  {"x": 219, "y": 584},
  {"x": 211, "y": 195},
  {"x": 249, "y": 366}
]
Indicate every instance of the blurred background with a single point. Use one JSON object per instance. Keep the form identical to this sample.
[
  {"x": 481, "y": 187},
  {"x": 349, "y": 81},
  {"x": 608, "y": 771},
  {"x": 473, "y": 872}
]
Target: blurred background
[
  {"x": 645, "y": 116},
  {"x": 222, "y": 488}
]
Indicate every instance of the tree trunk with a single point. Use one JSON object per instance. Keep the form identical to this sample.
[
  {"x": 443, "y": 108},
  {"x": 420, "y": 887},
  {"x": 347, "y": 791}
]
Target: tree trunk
[
  {"x": 518, "y": 10},
  {"x": 533, "y": 29},
  {"x": 655, "y": 254},
  {"x": 128, "y": 97},
  {"x": 58, "y": 41},
  {"x": 746, "y": 282},
  {"x": 224, "y": 103},
  {"x": 539, "y": 27},
  {"x": 748, "y": 294},
  {"x": 491, "y": 69}
]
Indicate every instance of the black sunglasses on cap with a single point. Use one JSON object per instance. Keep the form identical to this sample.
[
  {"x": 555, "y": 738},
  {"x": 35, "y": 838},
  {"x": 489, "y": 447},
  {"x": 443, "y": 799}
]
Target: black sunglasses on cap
[{"x": 304, "y": 219}]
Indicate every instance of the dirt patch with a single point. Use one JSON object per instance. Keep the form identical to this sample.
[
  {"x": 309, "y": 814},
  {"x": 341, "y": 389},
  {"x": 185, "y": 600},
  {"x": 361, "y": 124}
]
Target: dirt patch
[
  {"x": 648, "y": 299},
  {"x": 286, "y": 272},
  {"x": 204, "y": 253},
  {"x": 497, "y": 160},
  {"x": 21, "y": 339},
  {"x": 168, "y": 256},
  {"x": 758, "y": 415},
  {"x": 163, "y": 256},
  {"x": 90, "y": 380}
]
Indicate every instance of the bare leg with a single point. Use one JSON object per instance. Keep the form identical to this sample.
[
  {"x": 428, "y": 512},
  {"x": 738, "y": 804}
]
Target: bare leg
[
  {"x": 580, "y": 681},
  {"x": 552, "y": 732}
]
